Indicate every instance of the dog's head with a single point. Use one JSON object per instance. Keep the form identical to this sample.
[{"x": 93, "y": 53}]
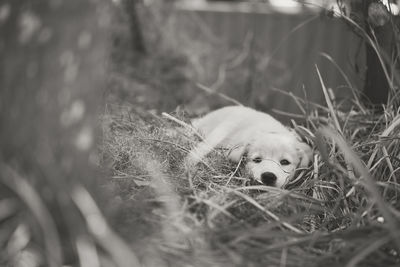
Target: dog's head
[{"x": 272, "y": 158}]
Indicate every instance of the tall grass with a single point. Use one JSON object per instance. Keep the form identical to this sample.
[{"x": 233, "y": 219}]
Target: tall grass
[{"x": 341, "y": 210}]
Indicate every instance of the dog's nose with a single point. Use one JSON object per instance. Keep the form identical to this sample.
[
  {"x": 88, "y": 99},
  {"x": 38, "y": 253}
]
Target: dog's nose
[{"x": 268, "y": 178}]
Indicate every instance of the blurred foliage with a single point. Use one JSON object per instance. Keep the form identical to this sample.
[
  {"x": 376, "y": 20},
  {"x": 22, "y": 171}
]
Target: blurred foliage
[{"x": 51, "y": 78}]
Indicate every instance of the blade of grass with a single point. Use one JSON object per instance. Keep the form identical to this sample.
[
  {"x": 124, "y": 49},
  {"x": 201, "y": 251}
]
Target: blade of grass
[
  {"x": 347, "y": 80},
  {"x": 31, "y": 198},
  {"x": 265, "y": 62},
  {"x": 103, "y": 234},
  {"x": 87, "y": 252},
  {"x": 218, "y": 208},
  {"x": 367, "y": 180},
  {"x": 375, "y": 245},
  {"x": 183, "y": 124},
  {"x": 377, "y": 52},
  {"x": 297, "y": 98},
  {"x": 334, "y": 63},
  {"x": 210, "y": 91},
  {"x": 224, "y": 208},
  {"x": 269, "y": 213},
  {"x": 395, "y": 123},
  {"x": 235, "y": 171},
  {"x": 284, "y": 255},
  {"x": 329, "y": 102},
  {"x": 288, "y": 114}
]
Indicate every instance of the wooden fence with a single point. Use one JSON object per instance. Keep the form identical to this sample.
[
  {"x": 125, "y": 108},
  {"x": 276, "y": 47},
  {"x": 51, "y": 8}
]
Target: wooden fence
[{"x": 246, "y": 52}]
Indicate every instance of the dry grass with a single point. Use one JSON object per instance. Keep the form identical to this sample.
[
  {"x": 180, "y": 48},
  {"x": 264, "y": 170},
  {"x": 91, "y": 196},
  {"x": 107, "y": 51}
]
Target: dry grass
[{"x": 342, "y": 210}]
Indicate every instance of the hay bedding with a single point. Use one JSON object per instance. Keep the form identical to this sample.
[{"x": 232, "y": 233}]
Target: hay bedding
[{"x": 212, "y": 215}]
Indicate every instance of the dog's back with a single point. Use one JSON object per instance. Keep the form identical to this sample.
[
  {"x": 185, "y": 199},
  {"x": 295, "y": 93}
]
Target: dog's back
[{"x": 237, "y": 118}]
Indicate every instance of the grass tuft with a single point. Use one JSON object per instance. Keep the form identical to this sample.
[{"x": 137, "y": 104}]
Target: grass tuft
[{"x": 341, "y": 210}]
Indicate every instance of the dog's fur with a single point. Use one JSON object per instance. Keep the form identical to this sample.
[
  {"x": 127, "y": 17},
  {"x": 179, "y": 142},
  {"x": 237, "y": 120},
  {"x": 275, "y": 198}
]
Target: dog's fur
[{"x": 271, "y": 151}]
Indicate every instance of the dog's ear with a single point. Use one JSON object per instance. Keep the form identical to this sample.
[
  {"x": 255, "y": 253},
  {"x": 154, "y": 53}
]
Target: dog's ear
[
  {"x": 236, "y": 153},
  {"x": 305, "y": 154},
  {"x": 304, "y": 151}
]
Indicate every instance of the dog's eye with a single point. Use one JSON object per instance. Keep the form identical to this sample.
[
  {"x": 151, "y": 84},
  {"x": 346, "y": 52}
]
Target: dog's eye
[
  {"x": 284, "y": 162},
  {"x": 257, "y": 160}
]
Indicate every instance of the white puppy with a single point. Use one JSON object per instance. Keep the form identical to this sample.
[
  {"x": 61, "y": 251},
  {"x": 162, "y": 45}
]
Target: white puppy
[{"x": 271, "y": 151}]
